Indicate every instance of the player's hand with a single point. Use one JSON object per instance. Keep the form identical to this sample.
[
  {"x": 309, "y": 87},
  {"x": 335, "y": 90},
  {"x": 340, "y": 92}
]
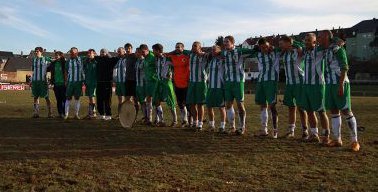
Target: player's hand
[{"x": 341, "y": 90}]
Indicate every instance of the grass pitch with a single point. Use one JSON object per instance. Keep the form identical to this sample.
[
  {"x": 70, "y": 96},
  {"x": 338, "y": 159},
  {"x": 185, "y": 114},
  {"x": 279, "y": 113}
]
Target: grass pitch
[{"x": 91, "y": 155}]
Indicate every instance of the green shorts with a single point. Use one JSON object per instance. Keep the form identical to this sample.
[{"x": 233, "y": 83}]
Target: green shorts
[
  {"x": 312, "y": 98},
  {"x": 196, "y": 93},
  {"x": 149, "y": 88},
  {"x": 140, "y": 94},
  {"x": 266, "y": 93},
  {"x": 164, "y": 92},
  {"x": 292, "y": 96},
  {"x": 120, "y": 89},
  {"x": 90, "y": 89},
  {"x": 234, "y": 90},
  {"x": 334, "y": 101},
  {"x": 40, "y": 89},
  {"x": 74, "y": 89},
  {"x": 215, "y": 97}
]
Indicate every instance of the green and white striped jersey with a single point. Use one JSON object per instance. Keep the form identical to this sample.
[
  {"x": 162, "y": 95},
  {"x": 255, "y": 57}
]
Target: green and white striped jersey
[
  {"x": 139, "y": 73},
  {"x": 314, "y": 66},
  {"x": 293, "y": 67},
  {"x": 75, "y": 69},
  {"x": 120, "y": 70},
  {"x": 216, "y": 73},
  {"x": 336, "y": 61},
  {"x": 268, "y": 64},
  {"x": 197, "y": 68},
  {"x": 163, "y": 67},
  {"x": 234, "y": 63},
  {"x": 39, "y": 68},
  {"x": 90, "y": 71}
]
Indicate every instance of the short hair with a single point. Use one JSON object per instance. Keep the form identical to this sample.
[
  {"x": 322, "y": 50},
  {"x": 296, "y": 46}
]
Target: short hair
[
  {"x": 262, "y": 41},
  {"x": 179, "y": 43},
  {"x": 91, "y": 50},
  {"x": 158, "y": 47},
  {"x": 120, "y": 48},
  {"x": 329, "y": 33},
  {"x": 40, "y": 49},
  {"x": 59, "y": 53},
  {"x": 127, "y": 45},
  {"x": 311, "y": 35},
  {"x": 230, "y": 38},
  {"x": 286, "y": 38},
  {"x": 74, "y": 48},
  {"x": 143, "y": 47},
  {"x": 197, "y": 43}
]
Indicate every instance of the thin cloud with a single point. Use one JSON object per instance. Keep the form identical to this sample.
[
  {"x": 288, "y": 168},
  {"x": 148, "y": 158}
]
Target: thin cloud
[{"x": 10, "y": 18}]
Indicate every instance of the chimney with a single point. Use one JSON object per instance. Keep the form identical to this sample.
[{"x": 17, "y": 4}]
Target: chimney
[{"x": 22, "y": 53}]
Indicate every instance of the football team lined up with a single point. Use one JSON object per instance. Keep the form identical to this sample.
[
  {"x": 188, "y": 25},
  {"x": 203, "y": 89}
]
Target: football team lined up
[{"x": 316, "y": 81}]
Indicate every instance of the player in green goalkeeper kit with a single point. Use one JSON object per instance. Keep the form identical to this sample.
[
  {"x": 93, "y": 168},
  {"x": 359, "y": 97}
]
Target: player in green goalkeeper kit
[
  {"x": 90, "y": 82},
  {"x": 149, "y": 69}
]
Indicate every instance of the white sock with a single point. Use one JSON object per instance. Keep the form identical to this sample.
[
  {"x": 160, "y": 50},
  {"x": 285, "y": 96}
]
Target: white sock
[
  {"x": 159, "y": 111},
  {"x": 67, "y": 107},
  {"x": 212, "y": 123},
  {"x": 174, "y": 114},
  {"x": 231, "y": 116},
  {"x": 222, "y": 124},
  {"x": 200, "y": 123},
  {"x": 149, "y": 111},
  {"x": 264, "y": 119},
  {"x": 36, "y": 108},
  {"x": 185, "y": 114},
  {"x": 77, "y": 107},
  {"x": 352, "y": 124},
  {"x": 315, "y": 131},
  {"x": 291, "y": 127},
  {"x": 336, "y": 126}
]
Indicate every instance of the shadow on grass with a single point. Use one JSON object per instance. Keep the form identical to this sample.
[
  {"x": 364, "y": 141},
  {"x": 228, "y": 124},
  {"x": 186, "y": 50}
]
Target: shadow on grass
[{"x": 22, "y": 138}]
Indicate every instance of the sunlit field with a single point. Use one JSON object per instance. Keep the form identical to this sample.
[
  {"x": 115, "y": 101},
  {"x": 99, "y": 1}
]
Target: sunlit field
[{"x": 93, "y": 155}]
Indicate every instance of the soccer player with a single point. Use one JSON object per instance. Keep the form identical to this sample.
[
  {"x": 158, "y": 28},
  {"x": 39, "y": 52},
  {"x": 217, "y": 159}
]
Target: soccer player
[
  {"x": 149, "y": 68},
  {"x": 215, "y": 94},
  {"x": 338, "y": 90},
  {"x": 314, "y": 88},
  {"x": 130, "y": 75},
  {"x": 180, "y": 61},
  {"x": 234, "y": 82},
  {"x": 291, "y": 58},
  {"x": 120, "y": 76},
  {"x": 57, "y": 69},
  {"x": 140, "y": 82},
  {"x": 39, "y": 81},
  {"x": 75, "y": 79},
  {"x": 266, "y": 89},
  {"x": 196, "y": 95},
  {"x": 164, "y": 87},
  {"x": 91, "y": 81}
]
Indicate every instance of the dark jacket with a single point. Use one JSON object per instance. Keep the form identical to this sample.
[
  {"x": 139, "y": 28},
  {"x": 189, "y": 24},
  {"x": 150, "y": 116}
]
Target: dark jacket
[
  {"x": 130, "y": 67},
  {"x": 51, "y": 69},
  {"x": 105, "y": 66}
]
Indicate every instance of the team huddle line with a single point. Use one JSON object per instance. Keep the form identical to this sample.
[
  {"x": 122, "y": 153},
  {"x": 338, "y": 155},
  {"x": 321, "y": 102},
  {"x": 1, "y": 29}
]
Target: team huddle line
[{"x": 315, "y": 70}]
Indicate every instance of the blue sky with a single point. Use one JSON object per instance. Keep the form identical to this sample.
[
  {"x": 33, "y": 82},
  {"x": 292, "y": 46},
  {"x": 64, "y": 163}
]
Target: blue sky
[{"x": 58, "y": 24}]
